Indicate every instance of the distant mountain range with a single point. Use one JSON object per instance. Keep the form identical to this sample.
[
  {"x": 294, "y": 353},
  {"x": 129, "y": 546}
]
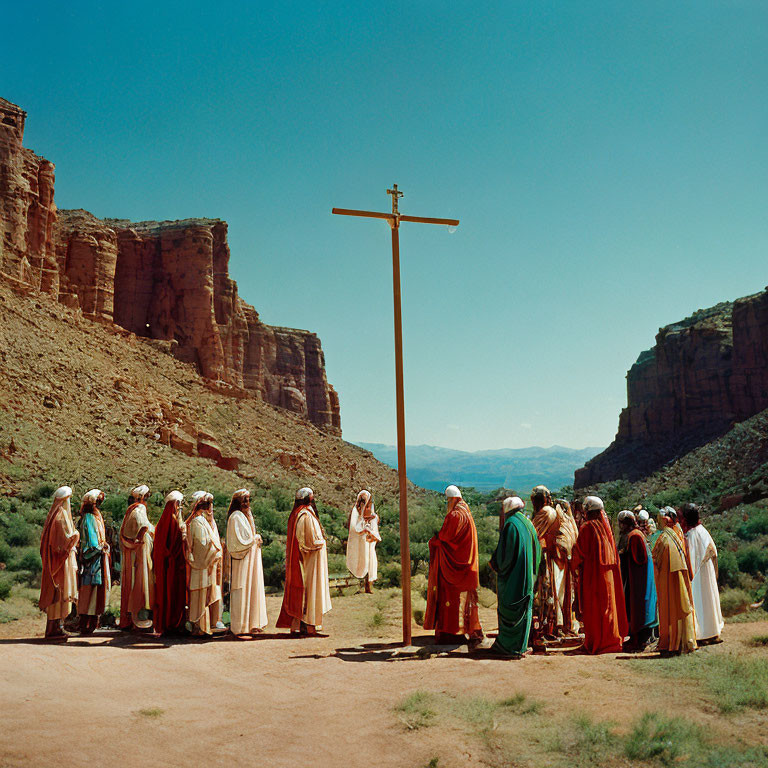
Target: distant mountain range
[{"x": 514, "y": 468}]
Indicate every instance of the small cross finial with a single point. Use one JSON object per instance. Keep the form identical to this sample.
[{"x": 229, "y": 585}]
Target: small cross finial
[{"x": 396, "y": 195}]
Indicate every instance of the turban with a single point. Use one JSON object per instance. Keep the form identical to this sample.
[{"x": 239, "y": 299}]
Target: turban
[
  {"x": 669, "y": 512},
  {"x": 174, "y": 496},
  {"x": 625, "y": 514},
  {"x": 452, "y": 492},
  {"x": 208, "y": 497},
  {"x": 92, "y": 495},
  {"x": 303, "y": 493},
  {"x": 593, "y": 504},
  {"x": 241, "y": 492},
  {"x": 643, "y": 516},
  {"x": 512, "y": 503},
  {"x": 63, "y": 493},
  {"x": 196, "y": 497},
  {"x": 140, "y": 490}
]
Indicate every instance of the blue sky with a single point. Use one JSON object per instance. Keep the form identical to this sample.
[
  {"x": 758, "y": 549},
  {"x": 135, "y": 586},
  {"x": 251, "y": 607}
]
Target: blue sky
[{"x": 608, "y": 162}]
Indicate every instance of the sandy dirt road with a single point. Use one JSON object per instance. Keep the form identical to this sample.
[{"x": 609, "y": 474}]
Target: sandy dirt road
[{"x": 277, "y": 701}]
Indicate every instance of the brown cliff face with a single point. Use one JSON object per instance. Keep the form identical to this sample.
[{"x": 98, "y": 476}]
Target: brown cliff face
[
  {"x": 704, "y": 374},
  {"x": 163, "y": 280},
  {"x": 27, "y": 211}
]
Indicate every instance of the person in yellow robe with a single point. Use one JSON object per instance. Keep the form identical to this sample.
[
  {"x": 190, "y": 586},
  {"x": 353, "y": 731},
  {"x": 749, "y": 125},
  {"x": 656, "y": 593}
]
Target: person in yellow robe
[
  {"x": 58, "y": 585},
  {"x": 677, "y": 621},
  {"x": 248, "y": 603},
  {"x": 203, "y": 552},
  {"x": 137, "y": 582}
]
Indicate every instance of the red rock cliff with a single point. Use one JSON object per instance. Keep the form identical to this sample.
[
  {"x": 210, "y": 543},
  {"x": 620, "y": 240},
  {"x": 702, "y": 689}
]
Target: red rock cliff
[
  {"x": 704, "y": 373},
  {"x": 163, "y": 280}
]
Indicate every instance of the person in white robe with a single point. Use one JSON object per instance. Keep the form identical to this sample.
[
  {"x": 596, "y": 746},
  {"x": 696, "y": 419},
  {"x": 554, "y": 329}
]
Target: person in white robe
[
  {"x": 706, "y": 596},
  {"x": 137, "y": 583},
  {"x": 363, "y": 536},
  {"x": 203, "y": 552},
  {"x": 247, "y": 600}
]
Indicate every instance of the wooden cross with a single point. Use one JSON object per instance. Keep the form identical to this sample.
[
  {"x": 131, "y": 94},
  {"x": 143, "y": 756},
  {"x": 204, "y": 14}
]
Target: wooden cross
[{"x": 394, "y": 220}]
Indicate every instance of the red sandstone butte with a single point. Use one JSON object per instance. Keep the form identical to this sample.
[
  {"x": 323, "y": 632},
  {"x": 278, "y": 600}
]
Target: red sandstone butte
[
  {"x": 704, "y": 374},
  {"x": 163, "y": 280}
]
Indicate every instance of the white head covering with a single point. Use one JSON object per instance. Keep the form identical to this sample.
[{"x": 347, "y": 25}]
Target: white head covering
[
  {"x": 512, "y": 503},
  {"x": 304, "y": 493},
  {"x": 593, "y": 503},
  {"x": 92, "y": 495},
  {"x": 63, "y": 493},
  {"x": 196, "y": 497},
  {"x": 140, "y": 490},
  {"x": 643, "y": 516},
  {"x": 174, "y": 496},
  {"x": 241, "y": 492},
  {"x": 452, "y": 492},
  {"x": 625, "y": 514},
  {"x": 209, "y": 497}
]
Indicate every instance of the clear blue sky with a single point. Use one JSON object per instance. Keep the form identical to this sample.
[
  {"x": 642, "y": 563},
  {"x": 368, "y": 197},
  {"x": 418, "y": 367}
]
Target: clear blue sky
[{"x": 608, "y": 162}]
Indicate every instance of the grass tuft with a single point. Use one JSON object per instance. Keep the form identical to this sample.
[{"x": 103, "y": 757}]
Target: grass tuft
[
  {"x": 416, "y": 711},
  {"x": 151, "y": 712}
]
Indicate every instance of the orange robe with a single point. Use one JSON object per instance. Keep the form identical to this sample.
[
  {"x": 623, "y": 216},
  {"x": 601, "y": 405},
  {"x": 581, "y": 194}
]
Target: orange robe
[
  {"x": 677, "y": 621},
  {"x": 453, "y": 576},
  {"x": 603, "y": 613}
]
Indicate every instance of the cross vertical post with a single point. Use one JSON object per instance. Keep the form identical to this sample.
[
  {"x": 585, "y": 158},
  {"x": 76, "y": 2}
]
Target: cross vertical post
[{"x": 394, "y": 220}]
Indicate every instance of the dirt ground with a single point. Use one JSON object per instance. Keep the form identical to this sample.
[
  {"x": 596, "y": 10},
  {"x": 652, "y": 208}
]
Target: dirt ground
[{"x": 115, "y": 698}]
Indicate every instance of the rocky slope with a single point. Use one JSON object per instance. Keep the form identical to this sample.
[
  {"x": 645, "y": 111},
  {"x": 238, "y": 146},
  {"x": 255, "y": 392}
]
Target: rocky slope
[
  {"x": 703, "y": 375},
  {"x": 162, "y": 280},
  {"x": 92, "y": 404}
]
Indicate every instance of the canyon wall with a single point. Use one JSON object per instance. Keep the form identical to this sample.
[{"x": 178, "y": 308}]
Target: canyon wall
[
  {"x": 162, "y": 280},
  {"x": 704, "y": 374}
]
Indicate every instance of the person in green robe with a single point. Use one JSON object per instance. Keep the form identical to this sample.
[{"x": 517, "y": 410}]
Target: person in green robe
[{"x": 516, "y": 561}]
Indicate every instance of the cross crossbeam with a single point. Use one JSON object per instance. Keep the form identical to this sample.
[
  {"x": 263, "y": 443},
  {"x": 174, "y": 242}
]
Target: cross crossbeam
[{"x": 394, "y": 218}]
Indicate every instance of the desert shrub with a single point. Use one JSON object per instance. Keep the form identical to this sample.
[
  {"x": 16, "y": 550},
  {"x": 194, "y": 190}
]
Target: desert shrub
[
  {"x": 114, "y": 505},
  {"x": 419, "y": 554},
  {"x": 39, "y": 492},
  {"x": 417, "y": 710},
  {"x": 273, "y": 560},
  {"x": 6, "y": 552},
  {"x": 728, "y": 568},
  {"x": 390, "y": 575},
  {"x": 752, "y": 559},
  {"x": 282, "y": 499},
  {"x": 733, "y": 601},
  {"x": 28, "y": 559},
  {"x": 755, "y": 526},
  {"x": 17, "y": 531},
  {"x": 656, "y": 737},
  {"x": 487, "y": 574},
  {"x": 588, "y": 742},
  {"x": 5, "y": 588}
]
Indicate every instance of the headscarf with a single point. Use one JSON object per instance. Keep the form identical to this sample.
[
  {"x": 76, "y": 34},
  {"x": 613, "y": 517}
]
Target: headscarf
[
  {"x": 452, "y": 492},
  {"x": 236, "y": 502},
  {"x": 512, "y": 503},
  {"x": 174, "y": 496},
  {"x": 304, "y": 493},
  {"x": 140, "y": 491}
]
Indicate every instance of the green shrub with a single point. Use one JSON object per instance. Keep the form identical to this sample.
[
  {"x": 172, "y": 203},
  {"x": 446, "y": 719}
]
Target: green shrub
[
  {"x": 17, "y": 531},
  {"x": 756, "y": 525},
  {"x": 5, "y": 589},
  {"x": 733, "y": 601},
  {"x": 390, "y": 575},
  {"x": 752, "y": 559},
  {"x": 656, "y": 737},
  {"x": 29, "y": 560},
  {"x": 728, "y": 568}
]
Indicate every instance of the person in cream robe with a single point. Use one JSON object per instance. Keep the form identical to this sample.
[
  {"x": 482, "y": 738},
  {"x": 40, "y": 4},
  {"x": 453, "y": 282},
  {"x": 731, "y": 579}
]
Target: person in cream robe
[
  {"x": 137, "y": 583},
  {"x": 217, "y": 569},
  {"x": 248, "y": 603},
  {"x": 363, "y": 536},
  {"x": 203, "y": 552},
  {"x": 58, "y": 585},
  {"x": 307, "y": 595}
]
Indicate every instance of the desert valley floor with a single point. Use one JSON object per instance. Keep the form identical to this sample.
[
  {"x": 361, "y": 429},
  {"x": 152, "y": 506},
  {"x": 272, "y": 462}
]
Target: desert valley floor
[{"x": 332, "y": 701}]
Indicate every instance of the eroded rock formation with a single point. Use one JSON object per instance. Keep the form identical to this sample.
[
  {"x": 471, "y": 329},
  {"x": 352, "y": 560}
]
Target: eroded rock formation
[
  {"x": 704, "y": 374},
  {"x": 162, "y": 280}
]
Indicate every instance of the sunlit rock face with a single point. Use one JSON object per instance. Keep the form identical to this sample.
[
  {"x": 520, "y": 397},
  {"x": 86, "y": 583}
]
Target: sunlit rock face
[
  {"x": 704, "y": 374},
  {"x": 164, "y": 280}
]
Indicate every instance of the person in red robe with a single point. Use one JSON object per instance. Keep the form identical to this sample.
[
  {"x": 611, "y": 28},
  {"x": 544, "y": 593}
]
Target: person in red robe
[
  {"x": 169, "y": 610},
  {"x": 603, "y": 612},
  {"x": 453, "y": 575}
]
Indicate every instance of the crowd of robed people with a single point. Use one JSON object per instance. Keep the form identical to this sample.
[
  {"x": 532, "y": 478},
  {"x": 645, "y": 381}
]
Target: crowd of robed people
[
  {"x": 172, "y": 577},
  {"x": 561, "y": 577}
]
